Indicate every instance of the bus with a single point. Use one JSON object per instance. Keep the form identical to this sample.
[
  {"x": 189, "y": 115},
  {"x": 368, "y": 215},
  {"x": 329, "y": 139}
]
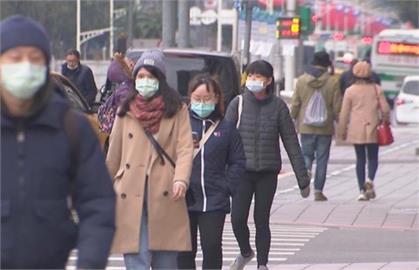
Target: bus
[{"x": 395, "y": 55}]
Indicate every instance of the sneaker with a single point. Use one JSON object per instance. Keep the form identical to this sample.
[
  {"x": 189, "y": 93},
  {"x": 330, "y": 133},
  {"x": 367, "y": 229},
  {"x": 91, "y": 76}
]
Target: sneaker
[
  {"x": 319, "y": 196},
  {"x": 263, "y": 267},
  {"x": 369, "y": 187},
  {"x": 241, "y": 261},
  {"x": 363, "y": 197}
]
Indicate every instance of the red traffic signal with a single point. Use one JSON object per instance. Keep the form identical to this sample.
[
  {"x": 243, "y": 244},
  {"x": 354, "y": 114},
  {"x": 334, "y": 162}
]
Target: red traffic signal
[{"x": 315, "y": 18}]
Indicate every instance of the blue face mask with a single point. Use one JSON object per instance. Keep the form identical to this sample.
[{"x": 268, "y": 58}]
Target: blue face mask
[
  {"x": 147, "y": 87},
  {"x": 254, "y": 85},
  {"x": 203, "y": 110}
]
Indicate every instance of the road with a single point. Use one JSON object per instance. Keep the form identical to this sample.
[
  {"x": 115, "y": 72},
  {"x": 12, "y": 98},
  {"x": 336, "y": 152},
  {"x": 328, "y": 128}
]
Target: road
[{"x": 343, "y": 233}]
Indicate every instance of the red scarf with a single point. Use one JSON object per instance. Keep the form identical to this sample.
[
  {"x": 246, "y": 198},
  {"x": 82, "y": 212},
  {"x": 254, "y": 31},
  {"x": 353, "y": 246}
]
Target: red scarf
[{"x": 148, "y": 112}]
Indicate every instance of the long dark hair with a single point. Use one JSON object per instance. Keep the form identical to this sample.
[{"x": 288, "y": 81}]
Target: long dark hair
[
  {"x": 210, "y": 83},
  {"x": 171, "y": 98},
  {"x": 264, "y": 68}
]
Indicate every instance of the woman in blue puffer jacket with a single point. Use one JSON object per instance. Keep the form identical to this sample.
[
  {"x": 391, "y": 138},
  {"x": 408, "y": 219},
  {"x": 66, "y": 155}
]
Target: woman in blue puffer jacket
[{"x": 218, "y": 165}]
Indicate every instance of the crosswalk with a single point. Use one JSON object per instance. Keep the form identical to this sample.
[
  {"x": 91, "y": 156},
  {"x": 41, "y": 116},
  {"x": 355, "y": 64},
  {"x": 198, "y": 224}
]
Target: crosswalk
[{"x": 286, "y": 241}]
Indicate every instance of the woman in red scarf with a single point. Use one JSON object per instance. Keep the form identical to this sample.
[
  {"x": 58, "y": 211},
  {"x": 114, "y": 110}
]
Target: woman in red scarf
[{"x": 150, "y": 159}]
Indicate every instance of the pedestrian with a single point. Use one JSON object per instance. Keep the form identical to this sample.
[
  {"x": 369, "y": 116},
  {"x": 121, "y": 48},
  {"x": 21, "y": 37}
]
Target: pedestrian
[
  {"x": 262, "y": 119},
  {"x": 119, "y": 73},
  {"x": 316, "y": 138},
  {"x": 364, "y": 107},
  {"x": 217, "y": 170},
  {"x": 51, "y": 162},
  {"x": 150, "y": 160},
  {"x": 80, "y": 75},
  {"x": 347, "y": 77}
]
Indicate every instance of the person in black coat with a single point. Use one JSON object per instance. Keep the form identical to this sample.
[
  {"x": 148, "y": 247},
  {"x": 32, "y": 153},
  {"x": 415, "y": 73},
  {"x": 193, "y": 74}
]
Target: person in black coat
[
  {"x": 347, "y": 78},
  {"x": 51, "y": 164},
  {"x": 218, "y": 166},
  {"x": 80, "y": 75}
]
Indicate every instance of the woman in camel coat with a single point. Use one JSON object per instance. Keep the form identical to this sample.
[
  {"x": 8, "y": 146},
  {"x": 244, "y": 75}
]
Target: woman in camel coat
[
  {"x": 152, "y": 222},
  {"x": 358, "y": 121}
]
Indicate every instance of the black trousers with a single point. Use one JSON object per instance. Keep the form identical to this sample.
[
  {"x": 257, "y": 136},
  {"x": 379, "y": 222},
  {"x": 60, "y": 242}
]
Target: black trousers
[
  {"x": 263, "y": 186},
  {"x": 211, "y": 226}
]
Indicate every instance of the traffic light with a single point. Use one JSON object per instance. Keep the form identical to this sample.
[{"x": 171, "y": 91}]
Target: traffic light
[{"x": 307, "y": 25}]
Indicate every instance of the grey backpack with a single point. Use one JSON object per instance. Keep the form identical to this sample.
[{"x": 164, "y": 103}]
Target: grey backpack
[{"x": 316, "y": 111}]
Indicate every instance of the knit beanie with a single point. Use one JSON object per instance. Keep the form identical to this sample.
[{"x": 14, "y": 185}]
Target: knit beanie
[
  {"x": 18, "y": 30},
  {"x": 362, "y": 70},
  {"x": 321, "y": 59},
  {"x": 152, "y": 58}
]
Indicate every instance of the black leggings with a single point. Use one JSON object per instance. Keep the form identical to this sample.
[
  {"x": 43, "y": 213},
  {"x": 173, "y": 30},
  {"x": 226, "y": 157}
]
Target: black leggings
[
  {"x": 211, "y": 226},
  {"x": 263, "y": 186},
  {"x": 372, "y": 153}
]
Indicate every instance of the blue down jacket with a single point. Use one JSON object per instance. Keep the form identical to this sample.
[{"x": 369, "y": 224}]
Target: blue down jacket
[{"x": 218, "y": 167}]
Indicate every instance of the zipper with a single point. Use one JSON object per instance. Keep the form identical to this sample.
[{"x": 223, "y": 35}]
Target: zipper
[
  {"x": 20, "y": 141},
  {"x": 204, "y": 195}
]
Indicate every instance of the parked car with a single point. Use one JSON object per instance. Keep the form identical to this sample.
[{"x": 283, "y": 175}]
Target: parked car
[
  {"x": 70, "y": 91},
  {"x": 407, "y": 101},
  {"x": 183, "y": 64}
]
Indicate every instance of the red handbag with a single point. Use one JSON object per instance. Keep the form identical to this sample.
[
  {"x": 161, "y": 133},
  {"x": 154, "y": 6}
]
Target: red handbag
[{"x": 384, "y": 134}]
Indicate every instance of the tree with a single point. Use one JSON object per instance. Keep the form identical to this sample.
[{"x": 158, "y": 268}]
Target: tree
[{"x": 408, "y": 10}]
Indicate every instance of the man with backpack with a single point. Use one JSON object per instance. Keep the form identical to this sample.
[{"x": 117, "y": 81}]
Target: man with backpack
[
  {"x": 315, "y": 106},
  {"x": 51, "y": 164}
]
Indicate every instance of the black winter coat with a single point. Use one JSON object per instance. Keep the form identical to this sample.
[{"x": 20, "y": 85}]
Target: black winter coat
[
  {"x": 262, "y": 124},
  {"x": 217, "y": 168},
  {"x": 36, "y": 228},
  {"x": 83, "y": 78}
]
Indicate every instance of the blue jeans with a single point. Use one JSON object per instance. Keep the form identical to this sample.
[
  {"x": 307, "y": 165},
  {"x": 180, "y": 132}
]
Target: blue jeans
[
  {"x": 372, "y": 154},
  {"x": 317, "y": 147},
  {"x": 146, "y": 258}
]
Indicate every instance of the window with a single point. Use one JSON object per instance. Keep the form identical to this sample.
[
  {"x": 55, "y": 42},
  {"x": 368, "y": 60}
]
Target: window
[{"x": 411, "y": 87}]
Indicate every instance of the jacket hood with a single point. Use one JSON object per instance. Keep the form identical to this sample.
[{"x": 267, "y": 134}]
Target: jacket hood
[{"x": 317, "y": 76}]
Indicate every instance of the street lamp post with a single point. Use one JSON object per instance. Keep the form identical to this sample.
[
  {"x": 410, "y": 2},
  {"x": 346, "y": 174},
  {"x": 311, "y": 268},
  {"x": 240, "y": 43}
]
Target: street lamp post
[
  {"x": 110, "y": 28},
  {"x": 78, "y": 25}
]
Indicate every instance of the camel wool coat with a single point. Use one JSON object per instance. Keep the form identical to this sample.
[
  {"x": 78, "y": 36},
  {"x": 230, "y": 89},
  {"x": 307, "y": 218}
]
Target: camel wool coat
[
  {"x": 130, "y": 154},
  {"x": 360, "y": 114}
]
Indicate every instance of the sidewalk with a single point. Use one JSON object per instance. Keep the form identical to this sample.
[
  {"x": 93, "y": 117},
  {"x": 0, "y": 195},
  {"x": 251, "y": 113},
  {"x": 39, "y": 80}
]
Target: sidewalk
[
  {"x": 397, "y": 187},
  {"x": 351, "y": 266}
]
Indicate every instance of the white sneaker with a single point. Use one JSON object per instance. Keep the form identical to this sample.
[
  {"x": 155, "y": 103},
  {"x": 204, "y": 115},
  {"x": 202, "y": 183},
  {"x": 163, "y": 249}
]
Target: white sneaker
[
  {"x": 363, "y": 197},
  {"x": 241, "y": 261}
]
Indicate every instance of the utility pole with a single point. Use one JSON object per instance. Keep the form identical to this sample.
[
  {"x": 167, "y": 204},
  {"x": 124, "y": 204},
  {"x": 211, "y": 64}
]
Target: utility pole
[
  {"x": 130, "y": 19},
  {"x": 247, "y": 6},
  {"x": 183, "y": 21},
  {"x": 289, "y": 58},
  {"x": 111, "y": 28},
  {"x": 168, "y": 25},
  {"x": 78, "y": 25}
]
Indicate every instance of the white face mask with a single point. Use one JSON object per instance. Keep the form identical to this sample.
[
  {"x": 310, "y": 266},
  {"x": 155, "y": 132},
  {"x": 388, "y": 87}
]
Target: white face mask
[
  {"x": 24, "y": 79},
  {"x": 254, "y": 85},
  {"x": 72, "y": 67}
]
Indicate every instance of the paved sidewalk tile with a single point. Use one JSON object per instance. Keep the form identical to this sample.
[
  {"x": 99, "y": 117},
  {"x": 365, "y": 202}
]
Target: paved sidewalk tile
[
  {"x": 316, "y": 213},
  {"x": 365, "y": 266},
  {"x": 399, "y": 220},
  {"x": 401, "y": 266},
  {"x": 336, "y": 266},
  {"x": 289, "y": 267},
  {"x": 371, "y": 216},
  {"x": 344, "y": 215}
]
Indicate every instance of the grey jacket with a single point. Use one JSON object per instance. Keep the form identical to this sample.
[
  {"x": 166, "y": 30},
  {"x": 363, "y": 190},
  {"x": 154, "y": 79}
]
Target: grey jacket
[{"x": 262, "y": 123}]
